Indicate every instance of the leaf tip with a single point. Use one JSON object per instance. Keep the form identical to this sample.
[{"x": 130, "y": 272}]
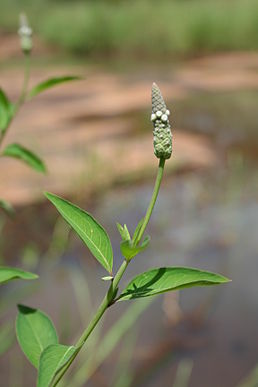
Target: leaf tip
[
  {"x": 32, "y": 276},
  {"x": 226, "y": 280},
  {"x": 44, "y": 170},
  {"x": 48, "y": 195},
  {"x": 25, "y": 309}
]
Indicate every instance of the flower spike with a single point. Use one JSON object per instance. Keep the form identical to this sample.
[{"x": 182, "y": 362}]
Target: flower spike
[{"x": 162, "y": 133}]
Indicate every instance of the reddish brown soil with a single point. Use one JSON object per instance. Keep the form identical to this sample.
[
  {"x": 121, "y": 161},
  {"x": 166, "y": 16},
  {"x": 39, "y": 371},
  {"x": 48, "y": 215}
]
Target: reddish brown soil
[{"x": 86, "y": 131}]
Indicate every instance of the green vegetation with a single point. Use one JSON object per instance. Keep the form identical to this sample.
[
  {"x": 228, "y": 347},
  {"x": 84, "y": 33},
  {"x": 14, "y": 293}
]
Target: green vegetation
[
  {"x": 144, "y": 28},
  {"x": 8, "y": 109},
  {"x": 53, "y": 359}
]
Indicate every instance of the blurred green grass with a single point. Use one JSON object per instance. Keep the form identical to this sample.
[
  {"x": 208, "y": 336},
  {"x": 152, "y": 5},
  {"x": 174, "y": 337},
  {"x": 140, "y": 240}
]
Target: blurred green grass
[{"x": 142, "y": 28}]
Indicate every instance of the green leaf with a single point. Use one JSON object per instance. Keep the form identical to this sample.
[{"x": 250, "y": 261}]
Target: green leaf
[
  {"x": 91, "y": 232},
  {"x": 129, "y": 250},
  {"x": 35, "y": 332},
  {"x": 125, "y": 235},
  {"x": 6, "y": 111},
  {"x": 51, "y": 82},
  {"x": 11, "y": 273},
  {"x": 19, "y": 152},
  {"x": 7, "y": 207},
  {"x": 137, "y": 230},
  {"x": 52, "y": 360},
  {"x": 165, "y": 279}
]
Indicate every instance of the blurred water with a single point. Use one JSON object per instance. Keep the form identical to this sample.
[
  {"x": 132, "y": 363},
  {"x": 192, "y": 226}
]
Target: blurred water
[{"x": 194, "y": 226}]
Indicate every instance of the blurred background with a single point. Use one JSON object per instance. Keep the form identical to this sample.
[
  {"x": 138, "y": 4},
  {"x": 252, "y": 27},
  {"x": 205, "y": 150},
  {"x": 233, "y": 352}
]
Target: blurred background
[{"x": 95, "y": 136}]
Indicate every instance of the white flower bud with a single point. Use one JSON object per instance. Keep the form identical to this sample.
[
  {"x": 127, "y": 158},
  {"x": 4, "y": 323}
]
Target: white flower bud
[{"x": 25, "y": 33}]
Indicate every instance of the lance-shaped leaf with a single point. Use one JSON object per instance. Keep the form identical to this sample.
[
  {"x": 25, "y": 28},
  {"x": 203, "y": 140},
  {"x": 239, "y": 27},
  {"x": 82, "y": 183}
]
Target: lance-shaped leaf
[
  {"x": 52, "y": 360},
  {"x": 19, "y": 152},
  {"x": 6, "y": 111},
  {"x": 165, "y": 279},
  {"x": 88, "y": 229},
  {"x": 11, "y": 273},
  {"x": 51, "y": 82},
  {"x": 35, "y": 332},
  {"x": 129, "y": 250},
  {"x": 7, "y": 207}
]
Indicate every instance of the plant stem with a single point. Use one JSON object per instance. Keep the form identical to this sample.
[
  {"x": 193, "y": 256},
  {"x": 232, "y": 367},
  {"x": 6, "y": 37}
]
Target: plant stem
[
  {"x": 153, "y": 200},
  {"x": 106, "y": 302},
  {"x": 112, "y": 291},
  {"x": 104, "y": 305},
  {"x": 22, "y": 96}
]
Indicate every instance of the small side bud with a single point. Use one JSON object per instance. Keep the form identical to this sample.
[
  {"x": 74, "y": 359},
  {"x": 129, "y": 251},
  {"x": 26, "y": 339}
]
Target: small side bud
[
  {"x": 25, "y": 33},
  {"x": 162, "y": 133},
  {"x": 108, "y": 278}
]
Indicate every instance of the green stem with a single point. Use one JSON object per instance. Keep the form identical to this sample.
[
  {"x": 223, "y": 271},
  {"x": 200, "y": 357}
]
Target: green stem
[
  {"x": 104, "y": 305},
  {"x": 22, "y": 96},
  {"x": 107, "y": 301},
  {"x": 111, "y": 294},
  {"x": 24, "y": 90},
  {"x": 153, "y": 200}
]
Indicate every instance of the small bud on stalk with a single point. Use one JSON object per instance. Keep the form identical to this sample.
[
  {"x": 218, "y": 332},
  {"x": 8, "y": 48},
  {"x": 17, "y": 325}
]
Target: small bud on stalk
[
  {"x": 159, "y": 117},
  {"x": 25, "y": 33}
]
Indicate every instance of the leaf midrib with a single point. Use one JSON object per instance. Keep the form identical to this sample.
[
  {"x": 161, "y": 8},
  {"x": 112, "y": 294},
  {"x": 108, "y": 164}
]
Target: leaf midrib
[
  {"x": 89, "y": 240},
  {"x": 163, "y": 290},
  {"x": 32, "y": 328}
]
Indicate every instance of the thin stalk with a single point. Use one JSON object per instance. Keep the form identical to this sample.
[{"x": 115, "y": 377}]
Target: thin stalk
[
  {"x": 26, "y": 79},
  {"x": 104, "y": 305},
  {"x": 106, "y": 302},
  {"x": 118, "y": 330},
  {"x": 22, "y": 96},
  {"x": 109, "y": 298},
  {"x": 153, "y": 200}
]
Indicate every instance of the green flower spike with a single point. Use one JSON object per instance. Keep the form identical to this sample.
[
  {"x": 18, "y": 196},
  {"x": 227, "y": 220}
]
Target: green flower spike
[{"x": 162, "y": 133}]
